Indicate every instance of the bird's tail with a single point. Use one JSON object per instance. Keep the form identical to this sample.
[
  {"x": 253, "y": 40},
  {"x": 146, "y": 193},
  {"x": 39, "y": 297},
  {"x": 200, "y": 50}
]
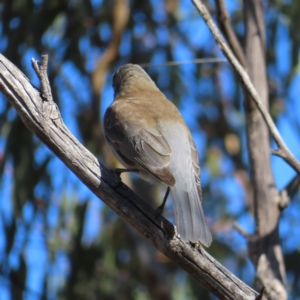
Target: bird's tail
[{"x": 189, "y": 215}]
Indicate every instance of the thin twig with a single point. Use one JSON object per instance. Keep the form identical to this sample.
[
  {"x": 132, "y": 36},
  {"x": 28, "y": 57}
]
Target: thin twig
[
  {"x": 184, "y": 62},
  {"x": 284, "y": 151},
  {"x": 226, "y": 28},
  {"x": 161, "y": 233},
  {"x": 239, "y": 229},
  {"x": 292, "y": 186}
]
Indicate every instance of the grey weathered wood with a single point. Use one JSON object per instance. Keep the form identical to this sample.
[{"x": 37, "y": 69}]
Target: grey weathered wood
[
  {"x": 264, "y": 247},
  {"x": 42, "y": 117}
]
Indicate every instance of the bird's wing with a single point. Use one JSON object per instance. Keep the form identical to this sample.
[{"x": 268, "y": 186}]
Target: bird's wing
[{"x": 143, "y": 146}]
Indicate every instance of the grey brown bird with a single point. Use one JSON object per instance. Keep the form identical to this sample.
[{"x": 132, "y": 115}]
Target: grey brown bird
[{"x": 146, "y": 132}]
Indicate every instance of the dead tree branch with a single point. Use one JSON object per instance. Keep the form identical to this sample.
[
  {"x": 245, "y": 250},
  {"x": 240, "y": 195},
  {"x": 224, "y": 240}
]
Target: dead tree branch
[
  {"x": 42, "y": 117},
  {"x": 227, "y": 30},
  {"x": 264, "y": 246}
]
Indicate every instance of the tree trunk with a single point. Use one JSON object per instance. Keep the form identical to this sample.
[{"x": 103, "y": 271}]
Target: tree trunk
[{"x": 264, "y": 245}]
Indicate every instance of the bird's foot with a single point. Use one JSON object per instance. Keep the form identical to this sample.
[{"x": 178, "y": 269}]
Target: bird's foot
[{"x": 159, "y": 211}]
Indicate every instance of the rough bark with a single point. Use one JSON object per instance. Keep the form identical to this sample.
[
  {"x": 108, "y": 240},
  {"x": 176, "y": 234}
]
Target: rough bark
[
  {"x": 265, "y": 246},
  {"x": 42, "y": 117}
]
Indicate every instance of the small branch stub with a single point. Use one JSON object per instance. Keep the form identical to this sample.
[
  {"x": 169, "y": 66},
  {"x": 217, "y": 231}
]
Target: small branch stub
[
  {"x": 49, "y": 107},
  {"x": 41, "y": 71},
  {"x": 241, "y": 231}
]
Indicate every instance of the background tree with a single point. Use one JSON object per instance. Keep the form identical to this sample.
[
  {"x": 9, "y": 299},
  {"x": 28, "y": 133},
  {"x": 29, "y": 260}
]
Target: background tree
[{"x": 58, "y": 241}]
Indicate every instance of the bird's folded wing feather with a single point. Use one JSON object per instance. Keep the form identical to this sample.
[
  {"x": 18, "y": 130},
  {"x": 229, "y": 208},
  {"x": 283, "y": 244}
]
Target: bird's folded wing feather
[
  {"x": 144, "y": 146},
  {"x": 196, "y": 165}
]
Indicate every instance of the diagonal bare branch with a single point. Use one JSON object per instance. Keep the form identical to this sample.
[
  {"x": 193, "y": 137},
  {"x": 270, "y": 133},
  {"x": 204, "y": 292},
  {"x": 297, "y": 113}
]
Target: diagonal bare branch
[
  {"x": 42, "y": 117},
  {"x": 283, "y": 152},
  {"x": 227, "y": 30}
]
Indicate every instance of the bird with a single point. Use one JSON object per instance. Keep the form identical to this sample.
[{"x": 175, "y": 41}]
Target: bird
[{"x": 147, "y": 134}]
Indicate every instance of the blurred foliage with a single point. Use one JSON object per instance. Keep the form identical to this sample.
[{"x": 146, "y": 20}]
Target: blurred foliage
[{"x": 58, "y": 241}]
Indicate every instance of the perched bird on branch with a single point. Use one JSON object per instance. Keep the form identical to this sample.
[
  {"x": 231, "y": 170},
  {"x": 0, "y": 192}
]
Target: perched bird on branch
[{"x": 147, "y": 134}]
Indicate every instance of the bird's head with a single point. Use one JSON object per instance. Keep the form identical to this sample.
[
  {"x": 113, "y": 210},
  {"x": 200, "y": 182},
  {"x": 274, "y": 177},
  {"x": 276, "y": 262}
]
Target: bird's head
[{"x": 129, "y": 78}]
